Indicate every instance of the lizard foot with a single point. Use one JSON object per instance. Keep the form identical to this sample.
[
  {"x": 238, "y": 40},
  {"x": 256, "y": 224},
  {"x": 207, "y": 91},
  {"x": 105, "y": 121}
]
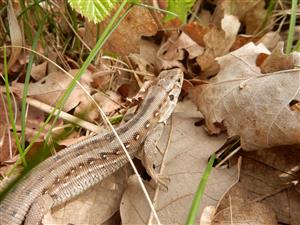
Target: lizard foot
[{"x": 162, "y": 180}]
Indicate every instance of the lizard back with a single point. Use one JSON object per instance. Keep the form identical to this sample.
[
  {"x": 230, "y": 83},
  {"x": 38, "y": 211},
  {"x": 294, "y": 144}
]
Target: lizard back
[{"x": 84, "y": 164}]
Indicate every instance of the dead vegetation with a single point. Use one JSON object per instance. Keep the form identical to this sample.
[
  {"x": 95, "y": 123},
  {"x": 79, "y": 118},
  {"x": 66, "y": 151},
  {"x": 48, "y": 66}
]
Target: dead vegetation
[{"x": 239, "y": 74}]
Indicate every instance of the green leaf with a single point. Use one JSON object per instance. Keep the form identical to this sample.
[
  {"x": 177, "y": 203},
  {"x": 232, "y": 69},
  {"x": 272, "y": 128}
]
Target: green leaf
[
  {"x": 94, "y": 10},
  {"x": 179, "y": 7}
]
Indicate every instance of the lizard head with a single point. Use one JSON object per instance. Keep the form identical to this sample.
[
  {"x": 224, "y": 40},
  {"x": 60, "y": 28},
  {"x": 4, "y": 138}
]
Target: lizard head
[{"x": 171, "y": 82}]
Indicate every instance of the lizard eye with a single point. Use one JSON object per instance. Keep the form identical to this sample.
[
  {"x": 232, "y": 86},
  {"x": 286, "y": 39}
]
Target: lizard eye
[
  {"x": 171, "y": 97},
  {"x": 179, "y": 80}
]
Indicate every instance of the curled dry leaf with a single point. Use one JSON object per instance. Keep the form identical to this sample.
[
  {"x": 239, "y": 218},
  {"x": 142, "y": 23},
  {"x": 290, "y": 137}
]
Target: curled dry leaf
[
  {"x": 277, "y": 61},
  {"x": 217, "y": 43},
  {"x": 173, "y": 50},
  {"x": 249, "y": 104}
]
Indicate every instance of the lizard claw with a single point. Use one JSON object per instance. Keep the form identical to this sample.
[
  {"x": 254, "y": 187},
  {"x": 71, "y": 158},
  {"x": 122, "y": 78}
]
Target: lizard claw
[{"x": 162, "y": 180}]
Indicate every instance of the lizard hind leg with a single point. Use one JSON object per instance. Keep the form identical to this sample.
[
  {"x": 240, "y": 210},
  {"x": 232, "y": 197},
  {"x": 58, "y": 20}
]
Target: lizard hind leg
[{"x": 41, "y": 206}]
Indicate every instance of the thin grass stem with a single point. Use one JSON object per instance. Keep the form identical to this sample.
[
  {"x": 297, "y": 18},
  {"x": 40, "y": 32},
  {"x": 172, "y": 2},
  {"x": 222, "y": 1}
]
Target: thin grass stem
[
  {"x": 290, "y": 39},
  {"x": 199, "y": 193}
]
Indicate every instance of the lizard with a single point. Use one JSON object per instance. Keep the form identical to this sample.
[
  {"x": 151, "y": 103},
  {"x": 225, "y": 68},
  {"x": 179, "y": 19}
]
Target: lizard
[{"x": 76, "y": 168}]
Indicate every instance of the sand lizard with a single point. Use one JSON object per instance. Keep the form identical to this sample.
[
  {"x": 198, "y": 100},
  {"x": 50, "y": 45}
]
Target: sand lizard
[{"x": 84, "y": 164}]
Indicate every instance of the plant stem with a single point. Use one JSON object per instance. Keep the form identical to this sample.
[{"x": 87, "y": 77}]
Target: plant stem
[
  {"x": 26, "y": 82},
  {"x": 200, "y": 191},
  {"x": 290, "y": 39},
  {"x": 10, "y": 111}
]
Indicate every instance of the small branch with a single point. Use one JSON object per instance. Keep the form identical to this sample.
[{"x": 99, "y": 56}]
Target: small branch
[{"x": 63, "y": 115}]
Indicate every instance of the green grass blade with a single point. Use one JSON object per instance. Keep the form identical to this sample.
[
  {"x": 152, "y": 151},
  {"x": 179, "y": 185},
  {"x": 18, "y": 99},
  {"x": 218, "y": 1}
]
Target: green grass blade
[
  {"x": 26, "y": 82},
  {"x": 290, "y": 39},
  {"x": 270, "y": 9},
  {"x": 200, "y": 191},
  {"x": 10, "y": 111}
]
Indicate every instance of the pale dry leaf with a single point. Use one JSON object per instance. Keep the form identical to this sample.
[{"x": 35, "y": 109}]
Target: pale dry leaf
[
  {"x": 270, "y": 39},
  {"x": 49, "y": 89},
  {"x": 94, "y": 206},
  {"x": 217, "y": 42},
  {"x": 185, "y": 162},
  {"x": 249, "y": 12},
  {"x": 296, "y": 56},
  {"x": 207, "y": 215},
  {"x": 109, "y": 103},
  {"x": 133, "y": 209},
  {"x": 249, "y": 104},
  {"x": 39, "y": 71},
  {"x": 15, "y": 34},
  {"x": 247, "y": 214},
  {"x": 231, "y": 25}
]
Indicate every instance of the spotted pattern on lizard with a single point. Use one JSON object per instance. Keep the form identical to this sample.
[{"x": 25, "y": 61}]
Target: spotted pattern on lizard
[{"x": 84, "y": 164}]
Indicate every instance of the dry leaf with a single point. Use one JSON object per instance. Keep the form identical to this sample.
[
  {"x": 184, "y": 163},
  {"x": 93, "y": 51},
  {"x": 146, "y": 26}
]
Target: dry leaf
[
  {"x": 146, "y": 60},
  {"x": 126, "y": 38},
  {"x": 249, "y": 12},
  {"x": 246, "y": 214},
  {"x": 94, "y": 206},
  {"x": 217, "y": 43},
  {"x": 49, "y": 89},
  {"x": 39, "y": 71},
  {"x": 108, "y": 102},
  {"x": 34, "y": 120},
  {"x": 173, "y": 50},
  {"x": 277, "y": 60},
  {"x": 270, "y": 40},
  {"x": 249, "y": 104},
  {"x": 196, "y": 32},
  {"x": 268, "y": 177},
  {"x": 15, "y": 34}
]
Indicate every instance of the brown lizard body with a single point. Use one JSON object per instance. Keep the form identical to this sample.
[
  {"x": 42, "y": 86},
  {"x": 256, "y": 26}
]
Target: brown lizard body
[{"x": 84, "y": 164}]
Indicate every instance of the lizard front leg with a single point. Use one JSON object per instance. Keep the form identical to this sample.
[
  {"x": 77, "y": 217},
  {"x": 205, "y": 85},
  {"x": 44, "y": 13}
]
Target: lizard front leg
[
  {"x": 40, "y": 207},
  {"x": 149, "y": 152}
]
